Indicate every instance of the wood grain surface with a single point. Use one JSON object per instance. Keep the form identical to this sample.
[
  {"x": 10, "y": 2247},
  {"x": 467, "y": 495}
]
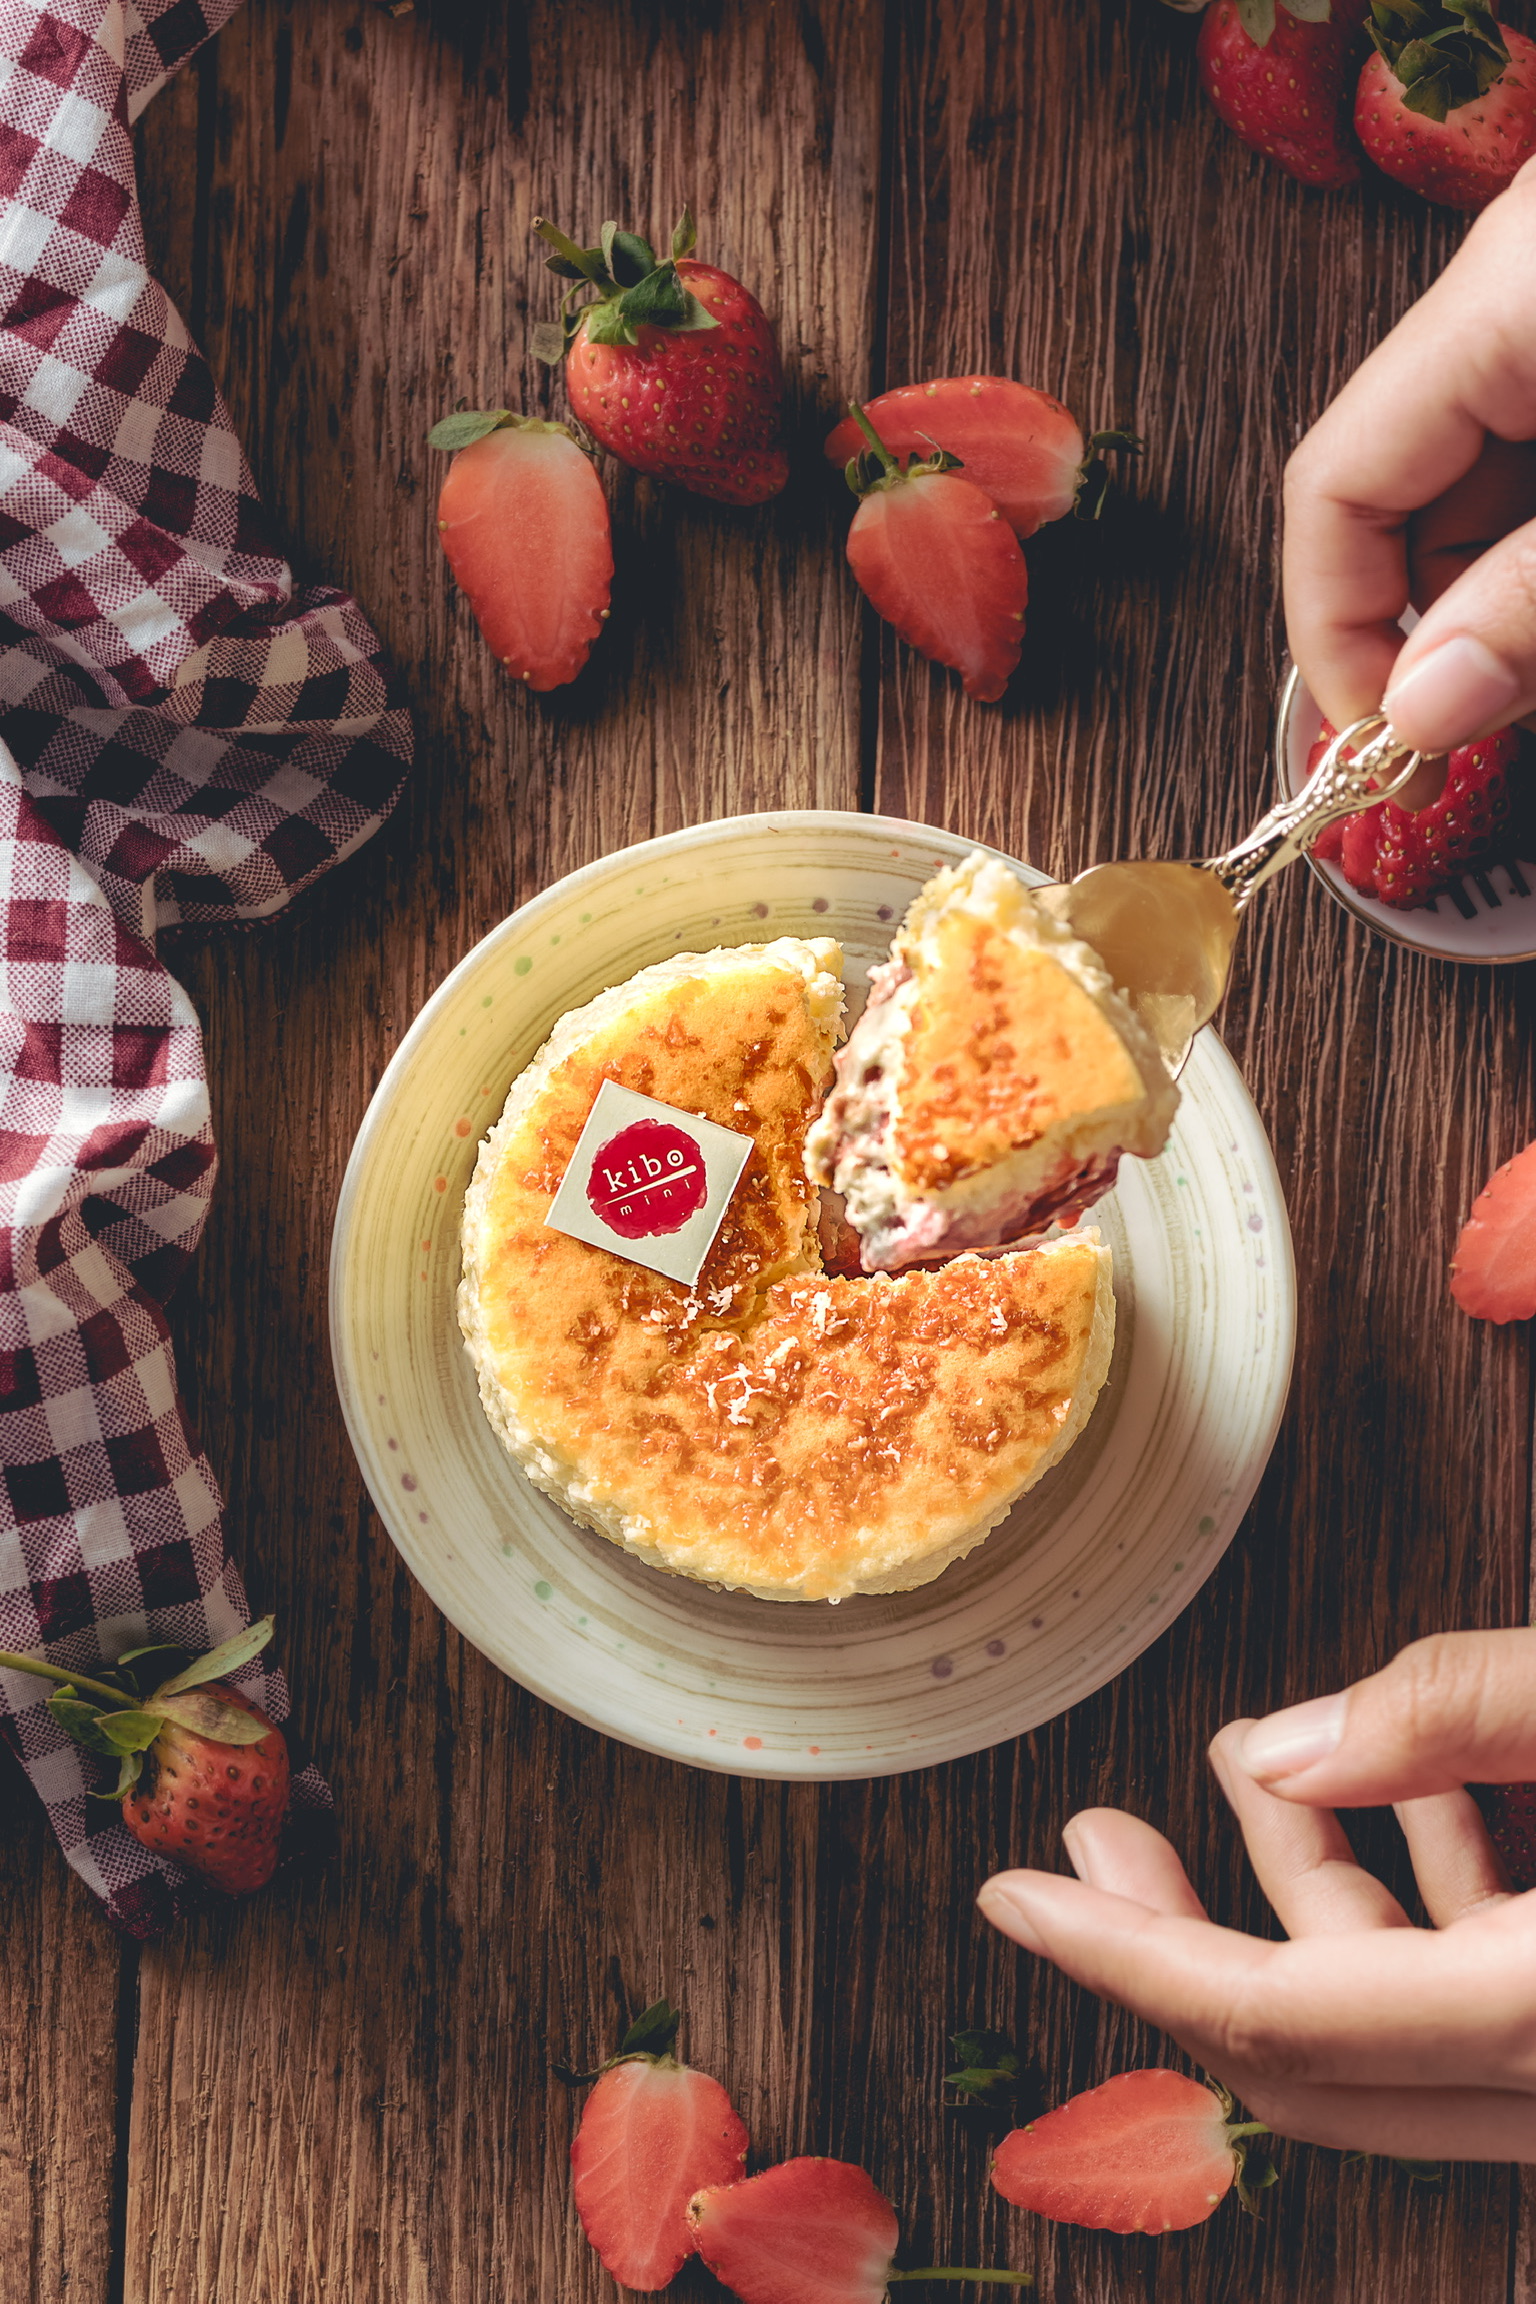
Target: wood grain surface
[{"x": 344, "y": 2090}]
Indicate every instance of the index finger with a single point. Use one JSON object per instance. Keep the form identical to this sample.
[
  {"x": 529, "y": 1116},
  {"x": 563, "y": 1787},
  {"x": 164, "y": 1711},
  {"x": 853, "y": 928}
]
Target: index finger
[
  {"x": 1410, "y": 422},
  {"x": 1390, "y": 2007}
]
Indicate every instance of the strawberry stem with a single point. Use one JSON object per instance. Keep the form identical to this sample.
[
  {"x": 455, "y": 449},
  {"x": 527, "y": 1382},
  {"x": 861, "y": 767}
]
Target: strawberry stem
[
  {"x": 65, "y": 1679},
  {"x": 967, "y": 2272},
  {"x": 1247, "y": 2128},
  {"x": 877, "y": 445}
]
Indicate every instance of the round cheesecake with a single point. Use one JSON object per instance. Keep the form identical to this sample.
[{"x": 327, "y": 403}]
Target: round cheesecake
[{"x": 769, "y": 1428}]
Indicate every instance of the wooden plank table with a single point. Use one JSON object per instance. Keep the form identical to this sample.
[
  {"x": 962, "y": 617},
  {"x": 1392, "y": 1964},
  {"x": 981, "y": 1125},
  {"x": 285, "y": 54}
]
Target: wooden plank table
[{"x": 344, "y": 2089}]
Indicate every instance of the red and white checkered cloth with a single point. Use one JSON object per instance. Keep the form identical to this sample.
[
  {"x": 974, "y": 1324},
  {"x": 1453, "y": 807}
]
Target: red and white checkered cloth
[{"x": 184, "y": 736}]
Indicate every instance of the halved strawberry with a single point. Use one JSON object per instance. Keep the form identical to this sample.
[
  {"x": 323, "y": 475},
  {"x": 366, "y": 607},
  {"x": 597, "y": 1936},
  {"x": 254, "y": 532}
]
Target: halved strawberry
[
  {"x": 524, "y": 523},
  {"x": 1022, "y": 447},
  {"x": 938, "y": 561},
  {"x": 1493, "y": 1270},
  {"x": 811, "y": 2231},
  {"x": 1146, "y": 2152},
  {"x": 652, "y": 2133}
]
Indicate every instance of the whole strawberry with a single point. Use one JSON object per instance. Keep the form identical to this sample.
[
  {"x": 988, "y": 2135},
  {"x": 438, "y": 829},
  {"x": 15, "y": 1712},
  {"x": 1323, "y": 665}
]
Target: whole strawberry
[
  {"x": 1406, "y": 857},
  {"x": 1146, "y": 2152},
  {"x": 652, "y": 2133},
  {"x": 1024, "y": 448},
  {"x": 1447, "y": 104},
  {"x": 673, "y": 366},
  {"x": 524, "y": 522},
  {"x": 1281, "y": 73},
  {"x": 936, "y": 558},
  {"x": 202, "y": 1773}
]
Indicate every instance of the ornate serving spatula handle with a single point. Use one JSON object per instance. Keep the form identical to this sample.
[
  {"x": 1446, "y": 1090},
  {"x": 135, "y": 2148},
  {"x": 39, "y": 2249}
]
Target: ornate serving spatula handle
[{"x": 1364, "y": 764}]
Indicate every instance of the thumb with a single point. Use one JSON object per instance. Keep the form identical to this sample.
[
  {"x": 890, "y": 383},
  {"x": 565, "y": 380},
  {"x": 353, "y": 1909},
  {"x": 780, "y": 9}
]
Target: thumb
[
  {"x": 1469, "y": 666},
  {"x": 1456, "y": 1709}
]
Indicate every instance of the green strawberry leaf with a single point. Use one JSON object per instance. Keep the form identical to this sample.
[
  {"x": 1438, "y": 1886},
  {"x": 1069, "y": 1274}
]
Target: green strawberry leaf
[
  {"x": 130, "y": 1766},
  {"x": 988, "y": 2067},
  {"x": 653, "y": 2031},
  {"x": 569, "y": 261},
  {"x": 130, "y": 1731},
  {"x": 82, "y": 1721},
  {"x": 241, "y": 1646},
  {"x": 657, "y": 300},
  {"x": 1423, "y": 2171},
  {"x": 142, "y": 1669},
  {"x": 206, "y": 1715},
  {"x": 1308, "y": 11},
  {"x": 685, "y": 233},
  {"x": 1254, "y": 2175},
  {"x": 547, "y": 343},
  {"x": 626, "y": 256},
  {"x": 461, "y": 430},
  {"x": 1257, "y": 18}
]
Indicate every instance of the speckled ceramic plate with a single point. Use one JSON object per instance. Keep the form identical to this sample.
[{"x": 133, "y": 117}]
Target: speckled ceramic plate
[
  {"x": 1489, "y": 916},
  {"x": 1093, "y": 1564}
]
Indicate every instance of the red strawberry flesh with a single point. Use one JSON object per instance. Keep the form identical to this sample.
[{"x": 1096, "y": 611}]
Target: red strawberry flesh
[
  {"x": 941, "y": 564},
  {"x": 1146, "y": 2152},
  {"x": 524, "y": 523},
  {"x": 652, "y": 2134},
  {"x": 1406, "y": 857},
  {"x": 218, "y": 1808},
  {"x": 810, "y": 2231},
  {"x": 1290, "y": 97},
  {"x": 1019, "y": 445},
  {"x": 1493, "y": 1271}
]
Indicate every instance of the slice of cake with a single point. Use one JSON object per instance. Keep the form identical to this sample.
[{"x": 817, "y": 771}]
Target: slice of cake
[
  {"x": 992, "y": 1083},
  {"x": 769, "y": 1428}
]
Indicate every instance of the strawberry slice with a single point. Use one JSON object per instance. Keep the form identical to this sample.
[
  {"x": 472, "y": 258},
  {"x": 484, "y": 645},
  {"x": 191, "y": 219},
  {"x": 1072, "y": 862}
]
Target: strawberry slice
[
  {"x": 934, "y": 555},
  {"x": 1493, "y": 1270},
  {"x": 1019, "y": 445},
  {"x": 1146, "y": 2152},
  {"x": 807, "y": 2232},
  {"x": 524, "y": 523},
  {"x": 811, "y": 2231},
  {"x": 652, "y": 2133}
]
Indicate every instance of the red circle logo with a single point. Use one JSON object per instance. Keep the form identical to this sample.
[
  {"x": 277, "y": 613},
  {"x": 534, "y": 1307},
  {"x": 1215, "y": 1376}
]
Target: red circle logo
[{"x": 646, "y": 1180}]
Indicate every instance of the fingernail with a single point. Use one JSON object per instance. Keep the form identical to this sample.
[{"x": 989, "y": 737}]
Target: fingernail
[
  {"x": 1459, "y": 690},
  {"x": 1078, "y": 1856},
  {"x": 1297, "y": 1738},
  {"x": 1008, "y": 1909}
]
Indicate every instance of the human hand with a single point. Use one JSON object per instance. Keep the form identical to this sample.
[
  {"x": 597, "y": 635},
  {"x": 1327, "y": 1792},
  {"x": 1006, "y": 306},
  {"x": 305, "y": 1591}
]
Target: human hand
[
  {"x": 1418, "y": 486},
  {"x": 1360, "y": 2030}
]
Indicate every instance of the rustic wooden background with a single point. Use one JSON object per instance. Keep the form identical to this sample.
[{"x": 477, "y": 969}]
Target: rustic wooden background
[{"x": 344, "y": 2089}]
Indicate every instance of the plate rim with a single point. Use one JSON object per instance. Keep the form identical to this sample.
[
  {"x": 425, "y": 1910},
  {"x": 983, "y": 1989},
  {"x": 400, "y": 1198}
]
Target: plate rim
[
  {"x": 1292, "y": 687},
  {"x": 768, "y": 1765}
]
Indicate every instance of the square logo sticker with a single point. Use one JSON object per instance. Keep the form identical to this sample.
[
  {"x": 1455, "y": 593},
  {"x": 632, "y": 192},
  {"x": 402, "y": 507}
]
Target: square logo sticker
[{"x": 649, "y": 1182}]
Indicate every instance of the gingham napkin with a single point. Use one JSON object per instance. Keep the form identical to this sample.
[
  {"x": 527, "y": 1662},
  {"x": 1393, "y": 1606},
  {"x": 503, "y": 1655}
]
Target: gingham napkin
[{"x": 184, "y": 736}]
